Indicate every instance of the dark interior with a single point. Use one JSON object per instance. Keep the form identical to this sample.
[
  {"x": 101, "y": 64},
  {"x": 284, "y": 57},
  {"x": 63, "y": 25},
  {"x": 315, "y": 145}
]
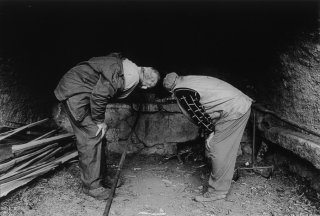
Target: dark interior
[{"x": 238, "y": 41}]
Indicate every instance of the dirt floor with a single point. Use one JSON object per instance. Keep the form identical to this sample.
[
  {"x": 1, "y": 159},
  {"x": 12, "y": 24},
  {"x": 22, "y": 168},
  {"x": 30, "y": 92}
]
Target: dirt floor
[{"x": 154, "y": 187}]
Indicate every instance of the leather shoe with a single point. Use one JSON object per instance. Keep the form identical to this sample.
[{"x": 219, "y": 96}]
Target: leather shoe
[
  {"x": 99, "y": 193},
  {"x": 108, "y": 181},
  {"x": 211, "y": 195}
]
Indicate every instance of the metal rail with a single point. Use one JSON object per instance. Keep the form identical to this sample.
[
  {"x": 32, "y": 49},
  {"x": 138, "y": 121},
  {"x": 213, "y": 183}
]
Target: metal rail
[
  {"x": 292, "y": 123},
  {"x": 123, "y": 156}
]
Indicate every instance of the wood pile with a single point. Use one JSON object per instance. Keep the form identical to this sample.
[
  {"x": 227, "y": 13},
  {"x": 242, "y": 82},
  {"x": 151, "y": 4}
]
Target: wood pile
[{"x": 28, "y": 152}]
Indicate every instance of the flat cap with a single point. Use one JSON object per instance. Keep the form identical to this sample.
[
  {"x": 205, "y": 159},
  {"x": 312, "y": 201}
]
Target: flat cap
[{"x": 169, "y": 80}]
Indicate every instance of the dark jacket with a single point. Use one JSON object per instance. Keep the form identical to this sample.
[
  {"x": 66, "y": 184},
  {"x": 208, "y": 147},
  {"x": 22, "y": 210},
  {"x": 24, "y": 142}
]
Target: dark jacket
[{"x": 90, "y": 85}]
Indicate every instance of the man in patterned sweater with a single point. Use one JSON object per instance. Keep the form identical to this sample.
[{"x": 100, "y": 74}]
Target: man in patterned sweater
[{"x": 222, "y": 111}]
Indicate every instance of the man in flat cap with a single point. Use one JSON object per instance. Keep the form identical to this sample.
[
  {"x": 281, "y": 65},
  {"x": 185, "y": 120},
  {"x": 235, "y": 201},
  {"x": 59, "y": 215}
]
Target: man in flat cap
[
  {"x": 222, "y": 112},
  {"x": 85, "y": 90}
]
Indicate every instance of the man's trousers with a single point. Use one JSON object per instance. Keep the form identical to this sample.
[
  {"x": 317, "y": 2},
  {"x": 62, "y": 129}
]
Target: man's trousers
[
  {"x": 222, "y": 148},
  {"x": 90, "y": 149}
]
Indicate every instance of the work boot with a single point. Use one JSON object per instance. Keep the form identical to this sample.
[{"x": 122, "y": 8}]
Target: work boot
[
  {"x": 108, "y": 181},
  {"x": 211, "y": 195},
  {"x": 99, "y": 193}
]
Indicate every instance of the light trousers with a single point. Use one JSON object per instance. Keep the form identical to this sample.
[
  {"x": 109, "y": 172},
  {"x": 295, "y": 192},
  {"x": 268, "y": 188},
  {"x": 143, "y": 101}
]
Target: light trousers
[{"x": 222, "y": 147}]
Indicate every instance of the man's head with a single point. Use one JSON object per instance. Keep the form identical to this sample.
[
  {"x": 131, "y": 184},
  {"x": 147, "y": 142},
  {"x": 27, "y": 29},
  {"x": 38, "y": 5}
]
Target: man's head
[
  {"x": 149, "y": 77},
  {"x": 170, "y": 80}
]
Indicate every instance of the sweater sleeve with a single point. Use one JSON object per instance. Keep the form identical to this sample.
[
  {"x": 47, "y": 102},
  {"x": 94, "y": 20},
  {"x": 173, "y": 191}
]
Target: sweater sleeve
[{"x": 189, "y": 101}]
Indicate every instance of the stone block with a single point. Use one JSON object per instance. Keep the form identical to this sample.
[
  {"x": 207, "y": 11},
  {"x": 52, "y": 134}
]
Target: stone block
[
  {"x": 161, "y": 149},
  {"x": 159, "y": 128},
  {"x": 162, "y": 127},
  {"x": 306, "y": 146},
  {"x": 117, "y": 113}
]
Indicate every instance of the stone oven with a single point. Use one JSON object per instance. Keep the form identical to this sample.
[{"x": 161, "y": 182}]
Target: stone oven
[{"x": 269, "y": 50}]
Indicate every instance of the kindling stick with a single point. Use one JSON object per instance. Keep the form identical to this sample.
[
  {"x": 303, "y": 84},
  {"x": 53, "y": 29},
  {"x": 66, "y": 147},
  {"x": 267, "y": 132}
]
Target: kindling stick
[
  {"x": 5, "y": 166},
  {"x": 114, "y": 185},
  {"x": 253, "y": 158},
  {"x": 23, "y": 128},
  {"x": 18, "y": 149},
  {"x": 46, "y": 134},
  {"x": 123, "y": 156}
]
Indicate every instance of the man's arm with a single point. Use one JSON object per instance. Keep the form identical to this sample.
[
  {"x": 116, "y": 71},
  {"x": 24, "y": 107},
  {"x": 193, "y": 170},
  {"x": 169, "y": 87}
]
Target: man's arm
[
  {"x": 102, "y": 93},
  {"x": 105, "y": 88},
  {"x": 189, "y": 101}
]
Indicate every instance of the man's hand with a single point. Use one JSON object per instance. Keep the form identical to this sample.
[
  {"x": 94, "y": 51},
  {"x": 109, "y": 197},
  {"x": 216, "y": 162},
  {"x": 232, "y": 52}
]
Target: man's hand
[
  {"x": 102, "y": 127},
  {"x": 216, "y": 115}
]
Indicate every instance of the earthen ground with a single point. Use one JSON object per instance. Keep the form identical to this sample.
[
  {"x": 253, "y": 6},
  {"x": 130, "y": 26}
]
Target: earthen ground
[{"x": 156, "y": 187}]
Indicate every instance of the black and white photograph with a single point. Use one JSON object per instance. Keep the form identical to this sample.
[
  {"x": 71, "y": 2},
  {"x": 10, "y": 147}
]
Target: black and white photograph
[{"x": 159, "y": 107}]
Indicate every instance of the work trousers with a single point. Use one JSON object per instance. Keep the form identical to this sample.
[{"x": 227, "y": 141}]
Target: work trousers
[
  {"x": 222, "y": 148},
  {"x": 90, "y": 149}
]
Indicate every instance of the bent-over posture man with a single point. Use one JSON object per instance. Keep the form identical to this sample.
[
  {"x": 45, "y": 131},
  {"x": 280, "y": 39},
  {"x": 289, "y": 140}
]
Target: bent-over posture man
[
  {"x": 222, "y": 111},
  {"x": 85, "y": 90}
]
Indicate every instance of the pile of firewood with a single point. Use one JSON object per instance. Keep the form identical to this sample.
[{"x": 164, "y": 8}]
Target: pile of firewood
[{"x": 26, "y": 153}]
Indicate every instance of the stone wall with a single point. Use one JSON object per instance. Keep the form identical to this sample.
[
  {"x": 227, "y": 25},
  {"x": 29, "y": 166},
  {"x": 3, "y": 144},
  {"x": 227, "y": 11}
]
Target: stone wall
[
  {"x": 284, "y": 159},
  {"x": 290, "y": 146},
  {"x": 157, "y": 128},
  {"x": 292, "y": 88},
  {"x": 149, "y": 128},
  {"x": 18, "y": 106},
  {"x": 152, "y": 131},
  {"x": 290, "y": 91}
]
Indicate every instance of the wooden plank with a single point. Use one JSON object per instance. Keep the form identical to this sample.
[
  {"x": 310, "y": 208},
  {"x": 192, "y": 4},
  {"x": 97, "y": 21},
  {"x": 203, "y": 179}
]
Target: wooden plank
[
  {"x": 7, "y": 165},
  {"x": 38, "y": 158},
  {"x": 9, "y": 186},
  {"x": 6, "y": 148},
  {"x": 24, "y": 173},
  {"x": 68, "y": 146},
  {"x": 36, "y": 167},
  {"x": 23, "y": 128},
  {"x": 18, "y": 149},
  {"x": 46, "y": 134},
  {"x": 5, "y": 152},
  {"x": 12, "y": 185},
  {"x": 7, "y": 132},
  {"x": 65, "y": 158},
  {"x": 51, "y": 154}
]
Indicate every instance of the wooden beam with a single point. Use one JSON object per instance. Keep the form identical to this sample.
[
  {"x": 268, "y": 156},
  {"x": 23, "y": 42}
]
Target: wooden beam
[
  {"x": 18, "y": 149},
  {"x": 25, "y": 172},
  {"x": 7, "y": 165},
  {"x": 5, "y": 152},
  {"x": 36, "y": 167},
  {"x": 23, "y": 128},
  {"x": 8, "y": 186},
  {"x": 38, "y": 159},
  {"x": 46, "y": 134}
]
